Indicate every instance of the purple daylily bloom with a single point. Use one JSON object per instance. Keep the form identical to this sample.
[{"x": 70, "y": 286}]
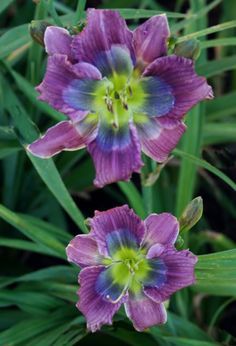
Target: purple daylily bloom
[
  {"x": 121, "y": 91},
  {"x": 128, "y": 261}
]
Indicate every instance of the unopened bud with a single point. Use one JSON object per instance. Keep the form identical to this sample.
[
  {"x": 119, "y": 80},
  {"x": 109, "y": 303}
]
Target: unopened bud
[
  {"x": 76, "y": 29},
  {"x": 188, "y": 49},
  {"x": 179, "y": 243},
  {"x": 191, "y": 215},
  {"x": 37, "y": 30}
]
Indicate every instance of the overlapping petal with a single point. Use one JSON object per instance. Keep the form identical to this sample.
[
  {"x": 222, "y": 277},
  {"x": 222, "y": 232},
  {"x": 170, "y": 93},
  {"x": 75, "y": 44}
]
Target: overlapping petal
[
  {"x": 150, "y": 39},
  {"x": 158, "y": 141},
  {"x": 116, "y": 154},
  {"x": 83, "y": 251},
  {"x": 59, "y": 76},
  {"x": 187, "y": 87},
  {"x": 116, "y": 219},
  {"x": 104, "y": 28},
  {"x": 144, "y": 312},
  {"x": 96, "y": 310},
  {"x": 160, "y": 229},
  {"x": 57, "y": 41},
  {"x": 63, "y": 136},
  {"x": 179, "y": 273}
]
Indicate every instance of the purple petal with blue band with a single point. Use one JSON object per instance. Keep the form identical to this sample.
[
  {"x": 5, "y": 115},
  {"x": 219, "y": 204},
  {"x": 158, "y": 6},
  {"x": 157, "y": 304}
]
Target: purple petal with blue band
[
  {"x": 104, "y": 28},
  {"x": 96, "y": 310},
  {"x": 116, "y": 154},
  {"x": 179, "y": 273},
  {"x": 104, "y": 223},
  {"x": 83, "y": 251},
  {"x": 63, "y": 136},
  {"x": 116, "y": 60},
  {"x": 159, "y": 98},
  {"x": 187, "y": 87},
  {"x": 80, "y": 94},
  {"x": 157, "y": 141},
  {"x": 57, "y": 41},
  {"x": 107, "y": 287},
  {"x": 145, "y": 313},
  {"x": 157, "y": 274},
  {"x": 150, "y": 39},
  {"x": 121, "y": 238},
  {"x": 59, "y": 75}
]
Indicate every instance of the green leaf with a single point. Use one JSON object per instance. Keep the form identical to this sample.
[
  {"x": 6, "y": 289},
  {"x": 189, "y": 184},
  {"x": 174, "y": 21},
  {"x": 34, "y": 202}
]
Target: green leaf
[
  {"x": 221, "y": 107},
  {"x": 216, "y": 273},
  {"x": 133, "y": 196},
  {"x": 29, "y": 328},
  {"x": 8, "y": 148},
  {"x": 129, "y": 13},
  {"x": 215, "y": 67},
  {"x": 27, "y": 133},
  {"x": 14, "y": 39},
  {"x": 206, "y": 165},
  {"x": 33, "y": 232},
  {"x": 39, "y": 301},
  {"x": 32, "y": 95},
  {"x": 24, "y": 245},
  {"x": 227, "y": 41},
  {"x": 4, "y": 4},
  {"x": 207, "y": 31},
  {"x": 216, "y": 133}
]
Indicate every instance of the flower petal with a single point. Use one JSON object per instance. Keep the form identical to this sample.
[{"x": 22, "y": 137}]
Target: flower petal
[
  {"x": 104, "y": 28},
  {"x": 159, "y": 98},
  {"x": 96, "y": 310},
  {"x": 187, "y": 87},
  {"x": 57, "y": 41},
  {"x": 63, "y": 136},
  {"x": 121, "y": 240},
  {"x": 59, "y": 76},
  {"x": 83, "y": 251},
  {"x": 116, "y": 154},
  {"x": 112, "y": 282},
  {"x": 158, "y": 141},
  {"x": 120, "y": 218},
  {"x": 160, "y": 229},
  {"x": 179, "y": 273},
  {"x": 144, "y": 312},
  {"x": 150, "y": 39},
  {"x": 117, "y": 60}
]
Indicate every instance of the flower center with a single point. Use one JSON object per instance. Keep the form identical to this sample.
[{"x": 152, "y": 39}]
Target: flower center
[{"x": 117, "y": 97}]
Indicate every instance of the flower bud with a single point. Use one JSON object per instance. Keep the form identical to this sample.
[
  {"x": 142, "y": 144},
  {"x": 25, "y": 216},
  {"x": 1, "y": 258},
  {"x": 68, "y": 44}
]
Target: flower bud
[
  {"x": 191, "y": 215},
  {"x": 37, "y": 29},
  {"x": 188, "y": 49}
]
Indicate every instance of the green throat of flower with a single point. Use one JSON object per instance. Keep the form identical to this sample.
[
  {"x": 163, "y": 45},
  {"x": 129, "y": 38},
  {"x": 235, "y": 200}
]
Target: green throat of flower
[
  {"x": 118, "y": 98},
  {"x": 129, "y": 268}
]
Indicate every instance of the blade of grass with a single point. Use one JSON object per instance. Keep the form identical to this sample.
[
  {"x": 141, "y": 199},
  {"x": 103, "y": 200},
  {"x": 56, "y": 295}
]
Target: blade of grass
[
  {"x": 204, "y": 164},
  {"x": 207, "y": 31},
  {"x": 133, "y": 196}
]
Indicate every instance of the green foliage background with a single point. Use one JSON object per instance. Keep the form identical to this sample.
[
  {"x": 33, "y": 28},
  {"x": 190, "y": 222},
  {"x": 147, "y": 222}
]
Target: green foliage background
[{"x": 45, "y": 202}]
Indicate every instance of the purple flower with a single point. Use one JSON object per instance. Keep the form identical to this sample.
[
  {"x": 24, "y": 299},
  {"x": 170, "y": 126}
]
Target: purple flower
[
  {"x": 120, "y": 91},
  {"x": 127, "y": 260}
]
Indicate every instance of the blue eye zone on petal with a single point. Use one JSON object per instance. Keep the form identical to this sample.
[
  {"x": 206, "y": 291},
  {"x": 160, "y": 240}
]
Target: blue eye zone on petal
[
  {"x": 157, "y": 275},
  {"x": 159, "y": 98},
  {"x": 109, "y": 139},
  {"x": 116, "y": 60},
  {"x": 80, "y": 94},
  {"x": 120, "y": 242},
  {"x": 112, "y": 282}
]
